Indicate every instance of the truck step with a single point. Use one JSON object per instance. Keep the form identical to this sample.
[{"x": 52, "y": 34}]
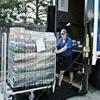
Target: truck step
[{"x": 75, "y": 83}]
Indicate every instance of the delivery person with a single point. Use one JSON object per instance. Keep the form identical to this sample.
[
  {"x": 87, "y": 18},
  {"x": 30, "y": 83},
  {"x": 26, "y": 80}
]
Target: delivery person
[{"x": 64, "y": 50}]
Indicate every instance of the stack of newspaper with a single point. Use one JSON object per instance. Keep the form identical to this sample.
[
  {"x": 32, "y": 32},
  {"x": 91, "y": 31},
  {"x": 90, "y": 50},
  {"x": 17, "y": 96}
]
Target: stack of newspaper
[{"x": 31, "y": 60}]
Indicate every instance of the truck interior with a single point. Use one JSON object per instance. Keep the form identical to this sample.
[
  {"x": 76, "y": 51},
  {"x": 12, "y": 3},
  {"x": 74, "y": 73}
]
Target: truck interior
[{"x": 75, "y": 16}]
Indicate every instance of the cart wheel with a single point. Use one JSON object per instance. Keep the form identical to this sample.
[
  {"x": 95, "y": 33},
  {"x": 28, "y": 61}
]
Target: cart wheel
[
  {"x": 11, "y": 98},
  {"x": 14, "y": 97},
  {"x": 51, "y": 90},
  {"x": 31, "y": 96}
]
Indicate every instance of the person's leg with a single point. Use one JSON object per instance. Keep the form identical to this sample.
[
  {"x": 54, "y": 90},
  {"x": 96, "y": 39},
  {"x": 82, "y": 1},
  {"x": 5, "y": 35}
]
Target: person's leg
[
  {"x": 71, "y": 77},
  {"x": 60, "y": 77},
  {"x": 71, "y": 74}
]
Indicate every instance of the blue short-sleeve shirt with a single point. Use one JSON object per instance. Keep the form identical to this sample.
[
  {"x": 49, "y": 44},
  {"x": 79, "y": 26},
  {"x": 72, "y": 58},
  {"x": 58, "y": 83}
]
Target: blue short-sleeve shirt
[{"x": 68, "y": 43}]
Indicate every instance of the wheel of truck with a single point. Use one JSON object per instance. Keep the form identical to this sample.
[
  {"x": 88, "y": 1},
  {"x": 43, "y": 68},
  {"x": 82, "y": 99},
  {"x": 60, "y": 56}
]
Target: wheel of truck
[{"x": 95, "y": 75}]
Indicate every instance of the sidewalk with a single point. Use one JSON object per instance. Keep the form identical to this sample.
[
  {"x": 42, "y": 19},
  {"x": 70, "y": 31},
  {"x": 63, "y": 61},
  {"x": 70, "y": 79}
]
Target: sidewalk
[{"x": 93, "y": 94}]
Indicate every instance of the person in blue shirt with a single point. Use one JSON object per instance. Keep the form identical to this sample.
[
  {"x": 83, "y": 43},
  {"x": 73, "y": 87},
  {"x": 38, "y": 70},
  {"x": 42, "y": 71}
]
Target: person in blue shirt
[{"x": 64, "y": 49}]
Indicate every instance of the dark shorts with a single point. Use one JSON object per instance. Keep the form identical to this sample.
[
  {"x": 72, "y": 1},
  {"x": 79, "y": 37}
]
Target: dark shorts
[{"x": 65, "y": 63}]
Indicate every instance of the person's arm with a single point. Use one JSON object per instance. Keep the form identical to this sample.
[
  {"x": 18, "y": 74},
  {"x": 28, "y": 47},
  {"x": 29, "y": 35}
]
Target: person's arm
[
  {"x": 67, "y": 45},
  {"x": 61, "y": 50}
]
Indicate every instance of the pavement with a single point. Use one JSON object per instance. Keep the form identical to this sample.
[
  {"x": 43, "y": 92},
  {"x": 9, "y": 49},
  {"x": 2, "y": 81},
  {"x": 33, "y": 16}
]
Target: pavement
[{"x": 93, "y": 94}]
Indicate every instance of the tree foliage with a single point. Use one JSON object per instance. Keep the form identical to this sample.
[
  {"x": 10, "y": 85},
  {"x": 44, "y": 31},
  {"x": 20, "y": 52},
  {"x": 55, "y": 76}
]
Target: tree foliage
[
  {"x": 39, "y": 9},
  {"x": 9, "y": 10},
  {"x": 23, "y": 11}
]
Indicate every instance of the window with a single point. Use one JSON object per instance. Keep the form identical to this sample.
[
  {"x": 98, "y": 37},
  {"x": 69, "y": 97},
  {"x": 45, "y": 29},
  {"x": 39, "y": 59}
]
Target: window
[{"x": 63, "y": 5}]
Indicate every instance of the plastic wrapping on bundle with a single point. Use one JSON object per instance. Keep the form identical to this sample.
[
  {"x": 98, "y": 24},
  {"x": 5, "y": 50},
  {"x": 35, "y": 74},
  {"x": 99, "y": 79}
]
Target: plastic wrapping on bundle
[{"x": 26, "y": 66}]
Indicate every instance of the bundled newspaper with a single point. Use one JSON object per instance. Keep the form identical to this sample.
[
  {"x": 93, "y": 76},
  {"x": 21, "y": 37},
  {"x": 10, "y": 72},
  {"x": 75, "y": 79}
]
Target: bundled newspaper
[{"x": 31, "y": 60}]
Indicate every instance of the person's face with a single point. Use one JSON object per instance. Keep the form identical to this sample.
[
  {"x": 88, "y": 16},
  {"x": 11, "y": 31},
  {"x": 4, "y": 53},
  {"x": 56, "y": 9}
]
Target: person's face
[{"x": 63, "y": 35}]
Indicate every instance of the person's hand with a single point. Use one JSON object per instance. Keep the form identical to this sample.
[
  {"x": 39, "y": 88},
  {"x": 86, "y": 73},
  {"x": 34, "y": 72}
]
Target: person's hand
[{"x": 56, "y": 51}]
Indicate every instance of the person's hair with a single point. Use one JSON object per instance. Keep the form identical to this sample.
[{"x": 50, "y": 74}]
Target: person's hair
[{"x": 63, "y": 30}]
